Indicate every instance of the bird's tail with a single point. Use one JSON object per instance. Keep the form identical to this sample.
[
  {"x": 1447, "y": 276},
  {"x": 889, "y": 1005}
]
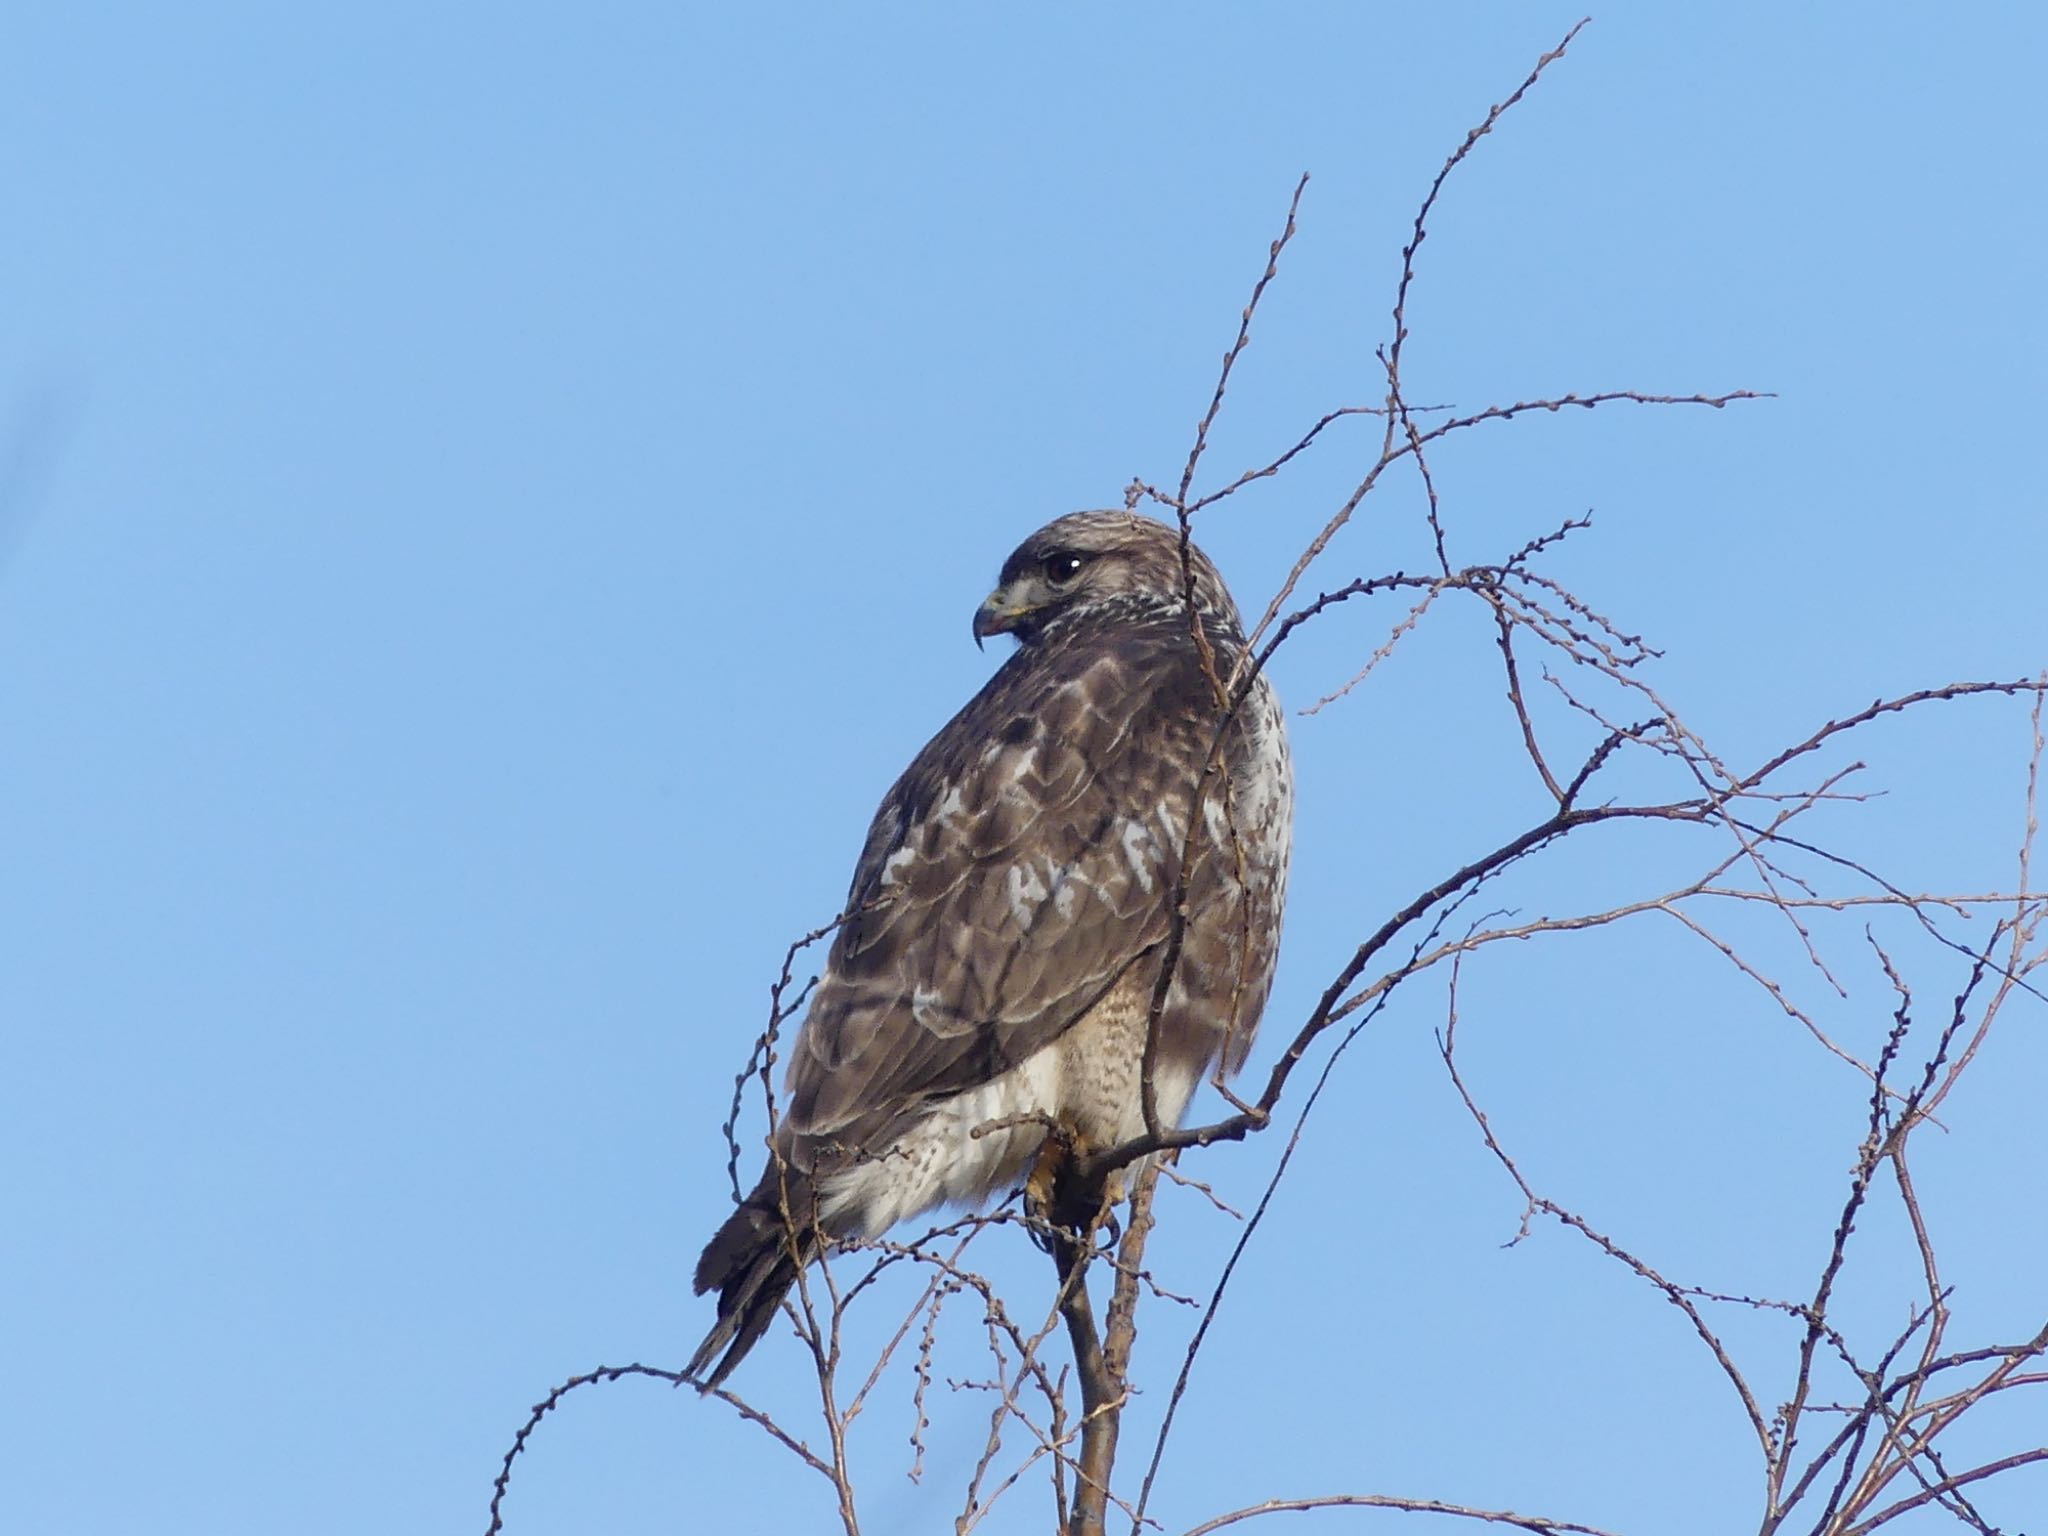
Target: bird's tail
[{"x": 751, "y": 1262}]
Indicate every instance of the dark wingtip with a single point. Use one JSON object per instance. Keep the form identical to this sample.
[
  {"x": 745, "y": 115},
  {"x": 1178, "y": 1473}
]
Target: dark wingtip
[
  {"x": 746, "y": 1307},
  {"x": 700, "y": 1372},
  {"x": 751, "y": 1262}
]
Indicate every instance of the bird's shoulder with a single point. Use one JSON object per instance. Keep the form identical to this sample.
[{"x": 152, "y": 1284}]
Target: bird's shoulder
[{"x": 1057, "y": 733}]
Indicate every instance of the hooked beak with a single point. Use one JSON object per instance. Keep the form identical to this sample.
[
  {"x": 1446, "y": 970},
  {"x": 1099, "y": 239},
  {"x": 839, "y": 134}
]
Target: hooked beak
[{"x": 997, "y": 615}]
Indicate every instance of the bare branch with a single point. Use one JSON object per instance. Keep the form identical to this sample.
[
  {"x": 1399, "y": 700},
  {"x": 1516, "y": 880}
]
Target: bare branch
[{"x": 1540, "y": 1524}]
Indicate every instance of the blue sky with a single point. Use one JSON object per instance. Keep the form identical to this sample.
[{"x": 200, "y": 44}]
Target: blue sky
[{"x": 492, "y": 495}]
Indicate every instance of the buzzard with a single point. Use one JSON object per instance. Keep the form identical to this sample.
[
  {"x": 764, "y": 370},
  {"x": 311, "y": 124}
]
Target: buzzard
[{"x": 1011, "y": 913}]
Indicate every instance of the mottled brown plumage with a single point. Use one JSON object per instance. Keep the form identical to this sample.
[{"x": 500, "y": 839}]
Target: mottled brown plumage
[{"x": 1010, "y": 911}]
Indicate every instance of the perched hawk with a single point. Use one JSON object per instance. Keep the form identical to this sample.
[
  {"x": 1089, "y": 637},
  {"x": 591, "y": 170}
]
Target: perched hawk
[{"x": 1010, "y": 911}]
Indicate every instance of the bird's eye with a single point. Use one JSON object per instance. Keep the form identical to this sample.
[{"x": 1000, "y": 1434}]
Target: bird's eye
[{"x": 1063, "y": 567}]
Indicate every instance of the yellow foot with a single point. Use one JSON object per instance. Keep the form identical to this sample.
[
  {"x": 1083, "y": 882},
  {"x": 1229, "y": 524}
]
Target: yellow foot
[
  {"x": 1044, "y": 1178},
  {"x": 1055, "y": 1200}
]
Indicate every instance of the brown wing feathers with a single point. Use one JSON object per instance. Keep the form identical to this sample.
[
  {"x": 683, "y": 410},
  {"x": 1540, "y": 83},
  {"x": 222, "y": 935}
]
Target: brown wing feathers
[{"x": 1019, "y": 868}]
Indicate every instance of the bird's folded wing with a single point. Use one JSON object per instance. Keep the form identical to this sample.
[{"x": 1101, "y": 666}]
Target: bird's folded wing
[{"x": 1019, "y": 868}]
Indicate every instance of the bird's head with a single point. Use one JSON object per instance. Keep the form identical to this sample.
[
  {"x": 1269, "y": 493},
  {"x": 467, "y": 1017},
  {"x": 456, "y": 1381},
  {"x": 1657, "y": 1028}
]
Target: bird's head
[{"x": 1090, "y": 566}]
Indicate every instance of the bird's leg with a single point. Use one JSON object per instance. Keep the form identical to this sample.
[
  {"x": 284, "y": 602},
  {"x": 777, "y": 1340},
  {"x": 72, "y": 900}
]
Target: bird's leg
[
  {"x": 1045, "y": 1194},
  {"x": 1067, "y": 1209},
  {"x": 1043, "y": 1180}
]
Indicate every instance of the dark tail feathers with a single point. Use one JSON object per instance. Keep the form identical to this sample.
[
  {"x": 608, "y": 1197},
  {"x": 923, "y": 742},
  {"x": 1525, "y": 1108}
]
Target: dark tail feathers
[{"x": 751, "y": 1262}]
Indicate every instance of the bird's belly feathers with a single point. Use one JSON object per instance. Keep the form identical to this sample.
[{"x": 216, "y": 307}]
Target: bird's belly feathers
[{"x": 1086, "y": 1081}]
